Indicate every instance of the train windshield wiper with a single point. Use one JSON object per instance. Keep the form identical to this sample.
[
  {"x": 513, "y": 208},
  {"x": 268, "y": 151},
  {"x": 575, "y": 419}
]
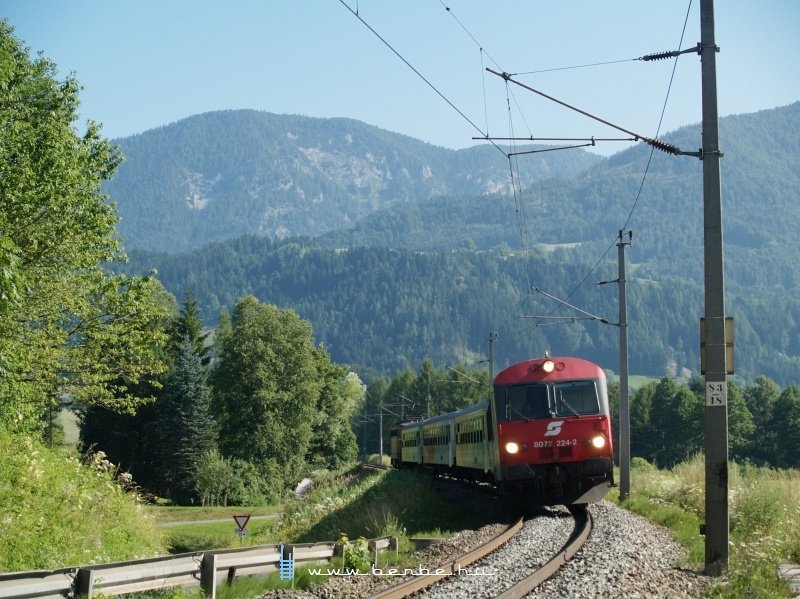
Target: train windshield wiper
[
  {"x": 520, "y": 414},
  {"x": 566, "y": 403}
]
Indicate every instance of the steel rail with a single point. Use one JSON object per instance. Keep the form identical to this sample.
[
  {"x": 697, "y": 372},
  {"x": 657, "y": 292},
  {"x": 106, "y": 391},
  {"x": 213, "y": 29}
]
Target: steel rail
[
  {"x": 583, "y": 528},
  {"x": 451, "y": 568}
]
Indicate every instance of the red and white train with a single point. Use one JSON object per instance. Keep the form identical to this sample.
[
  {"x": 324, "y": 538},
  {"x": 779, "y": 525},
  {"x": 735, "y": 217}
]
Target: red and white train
[{"x": 545, "y": 437}]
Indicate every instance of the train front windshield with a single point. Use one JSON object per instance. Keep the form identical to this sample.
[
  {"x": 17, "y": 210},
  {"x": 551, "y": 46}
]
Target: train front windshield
[
  {"x": 529, "y": 402},
  {"x": 576, "y": 398}
]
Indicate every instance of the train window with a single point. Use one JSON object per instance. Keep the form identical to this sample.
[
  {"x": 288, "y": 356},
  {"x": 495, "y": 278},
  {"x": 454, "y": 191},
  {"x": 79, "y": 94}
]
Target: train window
[
  {"x": 576, "y": 398},
  {"x": 526, "y": 402}
]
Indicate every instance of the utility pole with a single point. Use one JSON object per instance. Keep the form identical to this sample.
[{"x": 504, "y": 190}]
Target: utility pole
[
  {"x": 380, "y": 433},
  {"x": 624, "y": 406},
  {"x": 492, "y": 339},
  {"x": 428, "y": 395},
  {"x": 364, "y": 435},
  {"x": 716, "y": 410}
]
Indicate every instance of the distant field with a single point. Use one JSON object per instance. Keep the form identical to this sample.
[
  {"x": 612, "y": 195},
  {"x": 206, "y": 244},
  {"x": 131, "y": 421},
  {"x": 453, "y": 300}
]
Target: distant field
[
  {"x": 634, "y": 380},
  {"x": 68, "y": 421},
  {"x": 550, "y": 247},
  {"x": 192, "y": 514},
  {"x": 217, "y": 535}
]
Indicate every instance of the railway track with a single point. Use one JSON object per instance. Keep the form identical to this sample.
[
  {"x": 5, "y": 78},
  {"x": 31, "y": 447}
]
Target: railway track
[
  {"x": 449, "y": 578},
  {"x": 583, "y": 528}
]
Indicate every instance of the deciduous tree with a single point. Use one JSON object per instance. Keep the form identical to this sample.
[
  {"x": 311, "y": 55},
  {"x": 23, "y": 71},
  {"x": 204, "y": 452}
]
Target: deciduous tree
[
  {"x": 761, "y": 399},
  {"x": 266, "y": 389},
  {"x": 74, "y": 328},
  {"x": 333, "y": 442}
]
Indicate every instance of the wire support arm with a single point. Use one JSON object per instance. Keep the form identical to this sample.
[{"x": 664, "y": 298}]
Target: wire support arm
[
  {"x": 589, "y": 315},
  {"x": 656, "y": 143},
  {"x": 561, "y": 319},
  {"x": 531, "y": 138},
  {"x": 510, "y": 154}
]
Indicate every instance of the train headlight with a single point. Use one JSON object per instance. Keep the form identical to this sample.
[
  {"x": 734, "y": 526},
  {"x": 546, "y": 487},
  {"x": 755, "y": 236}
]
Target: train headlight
[
  {"x": 548, "y": 366},
  {"x": 512, "y": 447},
  {"x": 599, "y": 442}
]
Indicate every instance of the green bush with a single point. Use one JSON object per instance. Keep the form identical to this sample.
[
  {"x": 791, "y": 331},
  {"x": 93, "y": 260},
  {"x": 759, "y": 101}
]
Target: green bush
[
  {"x": 231, "y": 481},
  {"x": 356, "y": 554},
  {"x": 638, "y": 463},
  {"x": 57, "y": 512},
  {"x": 379, "y": 460}
]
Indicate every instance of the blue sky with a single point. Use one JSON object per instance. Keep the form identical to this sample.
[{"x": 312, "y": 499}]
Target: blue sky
[{"x": 148, "y": 63}]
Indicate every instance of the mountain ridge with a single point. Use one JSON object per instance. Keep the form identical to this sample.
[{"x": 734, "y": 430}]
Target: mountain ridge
[
  {"x": 227, "y": 173},
  {"x": 433, "y": 277}
]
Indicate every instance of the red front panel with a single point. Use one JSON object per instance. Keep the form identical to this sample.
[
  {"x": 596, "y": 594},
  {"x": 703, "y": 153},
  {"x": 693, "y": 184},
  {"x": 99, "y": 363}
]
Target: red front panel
[{"x": 554, "y": 440}]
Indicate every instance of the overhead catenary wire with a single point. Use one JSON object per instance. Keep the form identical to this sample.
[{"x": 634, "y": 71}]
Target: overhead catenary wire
[
  {"x": 654, "y": 143},
  {"x": 645, "y": 58},
  {"x": 484, "y": 135},
  {"x": 519, "y": 204},
  {"x": 467, "y": 31},
  {"x": 515, "y": 183},
  {"x": 483, "y": 53},
  {"x": 577, "y": 66},
  {"x": 676, "y": 55},
  {"x": 658, "y": 144},
  {"x": 531, "y": 138},
  {"x": 417, "y": 72},
  {"x": 483, "y": 69},
  {"x": 553, "y": 149}
]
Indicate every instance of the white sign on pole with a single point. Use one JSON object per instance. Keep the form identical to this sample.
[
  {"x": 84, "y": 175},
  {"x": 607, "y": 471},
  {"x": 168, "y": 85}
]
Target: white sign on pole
[{"x": 716, "y": 394}]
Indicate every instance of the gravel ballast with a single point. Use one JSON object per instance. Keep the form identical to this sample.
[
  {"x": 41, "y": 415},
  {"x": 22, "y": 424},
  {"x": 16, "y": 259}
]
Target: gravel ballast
[{"x": 626, "y": 556}]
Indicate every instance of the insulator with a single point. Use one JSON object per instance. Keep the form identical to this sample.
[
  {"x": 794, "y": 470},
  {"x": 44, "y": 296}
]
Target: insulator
[
  {"x": 663, "y": 146},
  {"x": 660, "y": 56}
]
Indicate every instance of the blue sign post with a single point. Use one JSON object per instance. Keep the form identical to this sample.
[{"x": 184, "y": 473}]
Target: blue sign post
[{"x": 286, "y": 565}]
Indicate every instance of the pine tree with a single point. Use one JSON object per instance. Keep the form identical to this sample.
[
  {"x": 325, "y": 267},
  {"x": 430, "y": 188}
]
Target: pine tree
[
  {"x": 189, "y": 325},
  {"x": 188, "y": 429}
]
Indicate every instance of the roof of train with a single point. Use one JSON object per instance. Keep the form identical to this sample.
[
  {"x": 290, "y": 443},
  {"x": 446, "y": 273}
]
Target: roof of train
[
  {"x": 565, "y": 368},
  {"x": 443, "y": 417}
]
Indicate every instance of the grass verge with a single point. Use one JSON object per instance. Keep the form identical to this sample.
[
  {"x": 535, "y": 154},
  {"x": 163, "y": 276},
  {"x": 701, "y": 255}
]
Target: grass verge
[
  {"x": 764, "y": 512},
  {"x": 360, "y": 503},
  {"x": 177, "y": 513},
  {"x": 56, "y": 511},
  {"x": 216, "y": 535},
  {"x": 354, "y": 504}
]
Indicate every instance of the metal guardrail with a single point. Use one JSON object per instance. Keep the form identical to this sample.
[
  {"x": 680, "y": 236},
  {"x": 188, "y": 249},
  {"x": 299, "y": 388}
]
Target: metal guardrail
[
  {"x": 207, "y": 569},
  {"x": 55, "y": 583}
]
